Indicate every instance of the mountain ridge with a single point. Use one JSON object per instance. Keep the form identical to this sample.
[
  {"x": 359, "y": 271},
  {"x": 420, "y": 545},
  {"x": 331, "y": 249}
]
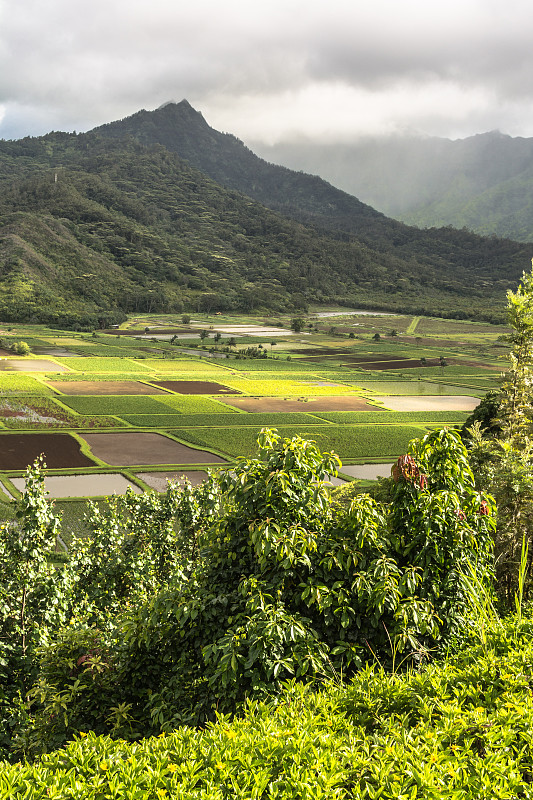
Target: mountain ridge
[
  {"x": 430, "y": 181},
  {"x": 115, "y": 220}
]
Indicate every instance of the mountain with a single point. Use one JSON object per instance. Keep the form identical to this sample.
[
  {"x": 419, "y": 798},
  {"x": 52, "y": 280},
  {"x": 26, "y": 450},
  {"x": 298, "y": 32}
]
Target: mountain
[
  {"x": 128, "y": 218},
  {"x": 182, "y": 130},
  {"x": 483, "y": 182},
  {"x": 306, "y": 198}
]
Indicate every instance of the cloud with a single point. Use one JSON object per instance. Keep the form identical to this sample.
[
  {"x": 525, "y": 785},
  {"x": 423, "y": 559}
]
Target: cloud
[{"x": 269, "y": 69}]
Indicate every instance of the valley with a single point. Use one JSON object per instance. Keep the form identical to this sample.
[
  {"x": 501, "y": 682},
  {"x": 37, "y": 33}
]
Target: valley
[{"x": 131, "y": 408}]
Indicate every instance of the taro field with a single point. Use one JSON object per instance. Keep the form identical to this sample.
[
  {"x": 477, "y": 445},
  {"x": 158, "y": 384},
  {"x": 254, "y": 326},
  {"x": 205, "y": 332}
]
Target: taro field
[{"x": 160, "y": 399}]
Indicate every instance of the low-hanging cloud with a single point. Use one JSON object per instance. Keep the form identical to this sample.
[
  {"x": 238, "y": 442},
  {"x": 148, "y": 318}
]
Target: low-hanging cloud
[{"x": 272, "y": 69}]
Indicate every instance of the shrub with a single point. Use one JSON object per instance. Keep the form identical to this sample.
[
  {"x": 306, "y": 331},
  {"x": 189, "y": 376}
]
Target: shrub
[
  {"x": 281, "y": 583},
  {"x": 21, "y": 348}
]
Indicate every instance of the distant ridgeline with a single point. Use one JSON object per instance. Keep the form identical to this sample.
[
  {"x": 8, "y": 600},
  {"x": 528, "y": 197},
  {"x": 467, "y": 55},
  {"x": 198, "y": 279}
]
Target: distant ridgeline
[
  {"x": 483, "y": 182},
  {"x": 159, "y": 212}
]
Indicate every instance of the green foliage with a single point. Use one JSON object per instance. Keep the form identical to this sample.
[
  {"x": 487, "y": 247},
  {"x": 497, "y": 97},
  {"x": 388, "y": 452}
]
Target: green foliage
[
  {"x": 297, "y": 324},
  {"x": 460, "y": 728},
  {"x": 130, "y": 226},
  {"x": 487, "y": 414},
  {"x": 264, "y": 580},
  {"x": 21, "y": 348},
  {"x": 136, "y": 544},
  {"x": 33, "y": 596},
  {"x": 504, "y": 461},
  {"x": 21, "y": 384}
]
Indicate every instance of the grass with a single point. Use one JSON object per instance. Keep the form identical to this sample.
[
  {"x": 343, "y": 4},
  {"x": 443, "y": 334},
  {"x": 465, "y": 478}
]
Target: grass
[
  {"x": 349, "y": 441},
  {"x": 257, "y": 421},
  {"x": 460, "y": 729},
  {"x": 18, "y": 383},
  {"x": 101, "y": 365},
  {"x": 114, "y": 404}
]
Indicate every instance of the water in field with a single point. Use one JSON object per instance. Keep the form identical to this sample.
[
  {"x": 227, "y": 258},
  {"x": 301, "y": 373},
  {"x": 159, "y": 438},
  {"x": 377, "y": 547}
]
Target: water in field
[
  {"x": 367, "y": 472},
  {"x": 98, "y": 485},
  {"x": 159, "y": 480},
  {"x": 356, "y": 312},
  {"x": 168, "y": 336},
  {"x": 203, "y": 353},
  {"x": 30, "y": 365},
  {"x": 456, "y": 402},
  {"x": 252, "y": 330}
]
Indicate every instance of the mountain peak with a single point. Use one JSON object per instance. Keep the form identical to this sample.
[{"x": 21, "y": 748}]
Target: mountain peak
[
  {"x": 170, "y": 103},
  {"x": 180, "y": 111}
]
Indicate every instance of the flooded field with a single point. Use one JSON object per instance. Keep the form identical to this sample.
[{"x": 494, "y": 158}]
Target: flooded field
[
  {"x": 103, "y": 387},
  {"x": 97, "y": 485},
  {"x": 367, "y": 472},
  {"x": 30, "y": 365},
  {"x": 54, "y": 351},
  {"x": 159, "y": 480},
  {"x": 195, "y": 387},
  {"x": 428, "y": 403},
  {"x": 252, "y": 330}
]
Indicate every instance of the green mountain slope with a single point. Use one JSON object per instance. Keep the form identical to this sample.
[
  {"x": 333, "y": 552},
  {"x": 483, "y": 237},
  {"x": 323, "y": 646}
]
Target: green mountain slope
[
  {"x": 303, "y": 197},
  {"x": 483, "y": 182},
  {"x": 93, "y": 226}
]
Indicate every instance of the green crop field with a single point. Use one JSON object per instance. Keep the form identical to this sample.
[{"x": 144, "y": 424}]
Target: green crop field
[
  {"x": 192, "y": 404},
  {"x": 19, "y": 383},
  {"x": 402, "y": 417},
  {"x": 102, "y": 365},
  {"x": 183, "y": 364},
  {"x": 188, "y": 421},
  {"x": 114, "y": 404},
  {"x": 349, "y": 441}
]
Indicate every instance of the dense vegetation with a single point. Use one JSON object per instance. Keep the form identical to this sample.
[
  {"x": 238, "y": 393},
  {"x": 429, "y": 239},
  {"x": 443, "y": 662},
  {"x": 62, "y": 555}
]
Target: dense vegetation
[
  {"x": 95, "y": 225},
  {"x": 193, "y": 601},
  {"x": 279, "y": 641},
  {"x": 459, "y": 729}
]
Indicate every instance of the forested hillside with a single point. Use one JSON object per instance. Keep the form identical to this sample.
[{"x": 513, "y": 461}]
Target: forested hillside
[
  {"x": 95, "y": 225},
  {"x": 483, "y": 182}
]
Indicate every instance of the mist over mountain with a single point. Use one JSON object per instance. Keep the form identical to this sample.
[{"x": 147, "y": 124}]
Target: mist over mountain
[
  {"x": 483, "y": 182},
  {"x": 159, "y": 212}
]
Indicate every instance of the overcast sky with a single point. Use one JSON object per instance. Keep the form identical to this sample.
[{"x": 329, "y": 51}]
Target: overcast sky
[{"x": 270, "y": 69}]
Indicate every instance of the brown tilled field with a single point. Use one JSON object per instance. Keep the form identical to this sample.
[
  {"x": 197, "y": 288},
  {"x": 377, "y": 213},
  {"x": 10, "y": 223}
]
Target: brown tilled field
[
  {"x": 61, "y": 451},
  {"x": 103, "y": 387},
  {"x": 261, "y": 404},
  {"x": 196, "y": 387},
  {"x": 126, "y": 449}
]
